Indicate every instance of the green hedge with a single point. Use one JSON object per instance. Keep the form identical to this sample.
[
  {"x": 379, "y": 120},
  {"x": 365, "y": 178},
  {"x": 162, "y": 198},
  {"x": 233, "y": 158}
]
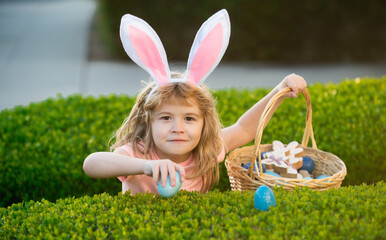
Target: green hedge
[
  {"x": 354, "y": 212},
  {"x": 43, "y": 145},
  {"x": 279, "y": 31}
]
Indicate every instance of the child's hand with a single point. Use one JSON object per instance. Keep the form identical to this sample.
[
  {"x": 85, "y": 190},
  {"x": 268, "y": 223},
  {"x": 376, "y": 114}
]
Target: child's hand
[
  {"x": 295, "y": 82},
  {"x": 165, "y": 167}
]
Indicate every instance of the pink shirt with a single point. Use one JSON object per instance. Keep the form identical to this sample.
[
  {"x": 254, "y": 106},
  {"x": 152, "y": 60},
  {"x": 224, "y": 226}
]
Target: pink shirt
[{"x": 143, "y": 183}]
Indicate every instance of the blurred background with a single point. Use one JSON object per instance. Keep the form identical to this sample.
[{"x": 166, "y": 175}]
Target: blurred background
[{"x": 72, "y": 46}]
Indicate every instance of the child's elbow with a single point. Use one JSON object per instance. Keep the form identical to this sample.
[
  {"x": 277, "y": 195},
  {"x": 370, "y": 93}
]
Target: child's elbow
[{"x": 88, "y": 164}]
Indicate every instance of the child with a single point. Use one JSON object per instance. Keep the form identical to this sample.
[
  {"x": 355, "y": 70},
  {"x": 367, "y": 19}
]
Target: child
[{"x": 174, "y": 125}]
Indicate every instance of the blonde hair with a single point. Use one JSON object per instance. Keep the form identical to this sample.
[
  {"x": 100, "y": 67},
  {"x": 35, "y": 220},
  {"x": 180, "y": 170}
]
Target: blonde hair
[{"x": 137, "y": 126}]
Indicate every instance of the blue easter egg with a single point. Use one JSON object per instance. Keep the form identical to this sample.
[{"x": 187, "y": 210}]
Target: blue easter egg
[
  {"x": 307, "y": 178},
  {"x": 308, "y": 164},
  {"x": 322, "y": 176},
  {"x": 272, "y": 174},
  {"x": 264, "y": 198},
  {"x": 169, "y": 191},
  {"x": 246, "y": 166}
]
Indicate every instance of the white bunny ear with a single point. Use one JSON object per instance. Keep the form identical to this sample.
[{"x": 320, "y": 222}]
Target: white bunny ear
[
  {"x": 296, "y": 151},
  {"x": 292, "y": 145},
  {"x": 144, "y": 47},
  {"x": 208, "y": 47},
  {"x": 277, "y": 145}
]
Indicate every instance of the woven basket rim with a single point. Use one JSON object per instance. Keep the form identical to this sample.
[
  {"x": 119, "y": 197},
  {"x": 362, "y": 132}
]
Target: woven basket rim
[{"x": 235, "y": 170}]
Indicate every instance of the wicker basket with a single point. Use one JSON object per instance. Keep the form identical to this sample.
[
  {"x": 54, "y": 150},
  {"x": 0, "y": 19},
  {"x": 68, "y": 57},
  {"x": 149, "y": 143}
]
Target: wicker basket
[{"x": 325, "y": 163}]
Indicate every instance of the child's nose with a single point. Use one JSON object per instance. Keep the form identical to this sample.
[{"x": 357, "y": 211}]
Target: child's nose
[{"x": 178, "y": 127}]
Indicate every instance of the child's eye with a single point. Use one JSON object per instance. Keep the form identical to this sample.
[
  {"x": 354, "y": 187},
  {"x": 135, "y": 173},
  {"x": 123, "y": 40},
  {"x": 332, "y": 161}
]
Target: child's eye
[
  {"x": 189, "y": 119},
  {"x": 165, "y": 117}
]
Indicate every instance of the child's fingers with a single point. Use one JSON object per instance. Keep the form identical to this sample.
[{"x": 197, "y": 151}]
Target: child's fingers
[
  {"x": 293, "y": 84},
  {"x": 165, "y": 168},
  {"x": 172, "y": 173},
  {"x": 156, "y": 169},
  {"x": 293, "y": 94},
  {"x": 296, "y": 83},
  {"x": 164, "y": 173},
  {"x": 181, "y": 171}
]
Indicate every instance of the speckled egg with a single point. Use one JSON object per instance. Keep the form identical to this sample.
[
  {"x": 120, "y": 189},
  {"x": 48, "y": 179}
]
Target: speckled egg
[
  {"x": 169, "y": 191},
  {"x": 264, "y": 198}
]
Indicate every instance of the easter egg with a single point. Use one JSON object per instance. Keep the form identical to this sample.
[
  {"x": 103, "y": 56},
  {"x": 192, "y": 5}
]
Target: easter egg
[
  {"x": 246, "y": 166},
  {"x": 308, "y": 164},
  {"x": 264, "y": 198},
  {"x": 272, "y": 174},
  {"x": 169, "y": 191},
  {"x": 322, "y": 176},
  {"x": 307, "y": 178}
]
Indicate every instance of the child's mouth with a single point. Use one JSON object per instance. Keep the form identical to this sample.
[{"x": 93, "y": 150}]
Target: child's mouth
[{"x": 177, "y": 140}]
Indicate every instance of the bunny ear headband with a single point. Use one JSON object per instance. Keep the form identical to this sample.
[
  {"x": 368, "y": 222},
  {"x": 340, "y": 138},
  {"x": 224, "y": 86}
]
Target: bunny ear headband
[{"x": 144, "y": 47}]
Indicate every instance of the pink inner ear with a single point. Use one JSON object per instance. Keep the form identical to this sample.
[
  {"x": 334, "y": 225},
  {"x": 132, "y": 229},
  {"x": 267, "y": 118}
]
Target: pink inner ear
[
  {"x": 148, "y": 53},
  {"x": 206, "y": 54}
]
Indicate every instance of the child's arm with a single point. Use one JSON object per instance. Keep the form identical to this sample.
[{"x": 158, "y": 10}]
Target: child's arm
[
  {"x": 244, "y": 130},
  {"x": 115, "y": 164}
]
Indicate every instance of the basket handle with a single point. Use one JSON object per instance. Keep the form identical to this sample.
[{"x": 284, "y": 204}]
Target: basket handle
[{"x": 308, "y": 132}]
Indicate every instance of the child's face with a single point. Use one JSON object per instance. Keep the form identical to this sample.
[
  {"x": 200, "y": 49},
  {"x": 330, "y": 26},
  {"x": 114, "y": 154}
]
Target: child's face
[{"x": 176, "y": 130}]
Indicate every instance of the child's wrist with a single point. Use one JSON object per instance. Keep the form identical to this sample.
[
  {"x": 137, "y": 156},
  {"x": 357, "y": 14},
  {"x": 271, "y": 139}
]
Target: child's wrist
[
  {"x": 277, "y": 89},
  {"x": 147, "y": 168}
]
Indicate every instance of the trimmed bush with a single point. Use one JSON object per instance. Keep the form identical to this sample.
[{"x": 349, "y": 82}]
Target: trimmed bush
[
  {"x": 43, "y": 145},
  {"x": 354, "y": 212},
  {"x": 311, "y": 31}
]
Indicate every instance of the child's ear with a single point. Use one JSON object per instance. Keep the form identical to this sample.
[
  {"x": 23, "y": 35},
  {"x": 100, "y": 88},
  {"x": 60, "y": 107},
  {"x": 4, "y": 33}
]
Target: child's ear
[
  {"x": 208, "y": 48},
  {"x": 144, "y": 47}
]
